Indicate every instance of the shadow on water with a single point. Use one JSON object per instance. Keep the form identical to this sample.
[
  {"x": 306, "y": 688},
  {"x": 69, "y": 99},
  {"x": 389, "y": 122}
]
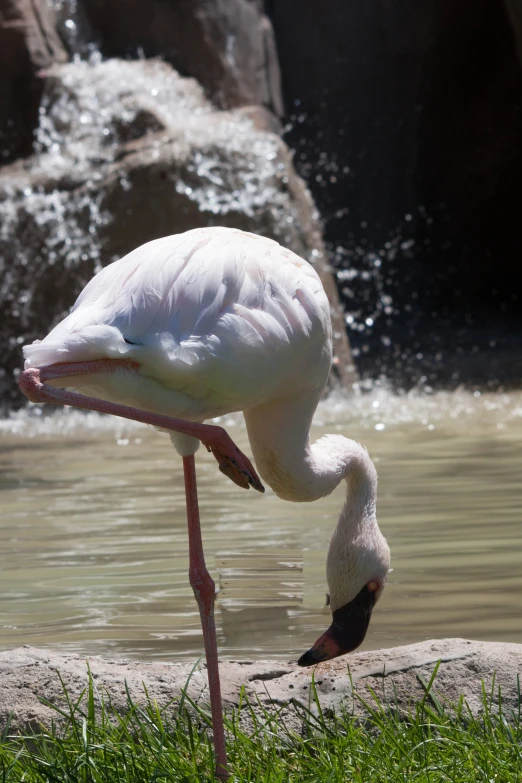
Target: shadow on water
[{"x": 93, "y": 533}]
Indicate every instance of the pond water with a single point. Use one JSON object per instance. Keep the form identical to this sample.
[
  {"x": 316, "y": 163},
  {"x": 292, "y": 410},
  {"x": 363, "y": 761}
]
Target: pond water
[{"x": 94, "y": 547}]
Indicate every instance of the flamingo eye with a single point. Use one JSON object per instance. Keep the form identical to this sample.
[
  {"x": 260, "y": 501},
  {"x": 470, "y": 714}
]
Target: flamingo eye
[{"x": 373, "y": 586}]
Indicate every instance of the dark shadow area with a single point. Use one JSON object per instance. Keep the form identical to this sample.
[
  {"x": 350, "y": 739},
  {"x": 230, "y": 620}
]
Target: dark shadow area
[{"x": 407, "y": 126}]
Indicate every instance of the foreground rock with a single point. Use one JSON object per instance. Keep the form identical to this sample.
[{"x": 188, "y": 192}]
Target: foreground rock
[{"x": 28, "y": 674}]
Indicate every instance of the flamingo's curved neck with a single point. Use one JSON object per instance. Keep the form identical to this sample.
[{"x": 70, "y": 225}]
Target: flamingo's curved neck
[{"x": 297, "y": 470}]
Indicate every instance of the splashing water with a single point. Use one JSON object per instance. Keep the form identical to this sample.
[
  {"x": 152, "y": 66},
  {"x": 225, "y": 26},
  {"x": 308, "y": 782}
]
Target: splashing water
[{"x": 375, "y": 407}]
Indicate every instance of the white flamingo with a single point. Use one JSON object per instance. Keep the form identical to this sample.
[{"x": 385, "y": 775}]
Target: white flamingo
[{"x": 201, "y": 324}]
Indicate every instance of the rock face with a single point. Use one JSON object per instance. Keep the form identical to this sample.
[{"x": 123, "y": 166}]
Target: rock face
[
  {"x": 28, "y": 44},
  {"x": 27, "y": 674},
  {"x": 227, "y": 45},
  {"x": 127, "y": 152}
]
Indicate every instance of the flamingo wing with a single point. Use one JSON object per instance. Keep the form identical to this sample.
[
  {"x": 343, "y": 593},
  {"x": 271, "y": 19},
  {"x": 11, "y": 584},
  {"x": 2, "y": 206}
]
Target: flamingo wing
[{"x": 216, "y": 316}]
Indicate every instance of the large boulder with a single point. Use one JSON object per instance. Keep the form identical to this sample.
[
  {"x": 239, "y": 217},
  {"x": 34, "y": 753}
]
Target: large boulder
[
  {"x": 126, "y": 152},
  {"x": 227, "y": 45},
  {"x": 28, "y": 44}
]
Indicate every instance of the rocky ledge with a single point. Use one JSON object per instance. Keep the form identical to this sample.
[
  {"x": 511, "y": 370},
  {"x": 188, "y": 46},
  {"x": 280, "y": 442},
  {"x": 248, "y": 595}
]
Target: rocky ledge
[{"x": 398, "y": 676}]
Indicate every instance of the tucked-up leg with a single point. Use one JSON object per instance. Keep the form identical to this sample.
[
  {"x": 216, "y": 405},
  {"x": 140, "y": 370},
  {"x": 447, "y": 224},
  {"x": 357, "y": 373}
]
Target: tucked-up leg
[
  {"x": 231, "y": 460},
  {"x": 205, "y": 592}
]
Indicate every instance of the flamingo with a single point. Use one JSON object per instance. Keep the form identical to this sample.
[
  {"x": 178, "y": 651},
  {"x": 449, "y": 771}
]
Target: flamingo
[{"x": 193, "y": 326}]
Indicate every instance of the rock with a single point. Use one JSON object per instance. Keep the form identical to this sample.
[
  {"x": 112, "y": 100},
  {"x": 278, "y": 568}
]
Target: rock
[
  {"x": 227, "y": 45},
  {"x": 127, "y": 152},
  {"x": 28, "y": 44},
  {"x": 28, "y": 674}
]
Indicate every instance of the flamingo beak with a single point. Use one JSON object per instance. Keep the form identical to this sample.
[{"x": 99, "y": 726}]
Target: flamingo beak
[{"x": 347, "y": 631}]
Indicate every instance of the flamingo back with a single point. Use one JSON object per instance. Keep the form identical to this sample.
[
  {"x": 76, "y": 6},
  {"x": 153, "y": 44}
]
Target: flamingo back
[{"x": 218, "y": 319}]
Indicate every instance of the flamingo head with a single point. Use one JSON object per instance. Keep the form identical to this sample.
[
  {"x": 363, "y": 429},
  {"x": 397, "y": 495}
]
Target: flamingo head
[{"x": 357, "y": 572}]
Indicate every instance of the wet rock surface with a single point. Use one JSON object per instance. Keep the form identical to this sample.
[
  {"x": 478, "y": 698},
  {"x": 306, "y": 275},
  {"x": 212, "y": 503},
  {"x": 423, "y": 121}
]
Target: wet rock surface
[
  {"x": 227, "y": 45},
  {"x": 127, "y": 152},
  {"x": 398, "y": 676},
  {"x": 29, "y": 43}
]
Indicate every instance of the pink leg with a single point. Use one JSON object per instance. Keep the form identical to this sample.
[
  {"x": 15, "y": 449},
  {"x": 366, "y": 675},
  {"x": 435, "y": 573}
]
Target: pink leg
[
  {"x": 204, "y": 591},
  {"x": 232, "y": 461}
]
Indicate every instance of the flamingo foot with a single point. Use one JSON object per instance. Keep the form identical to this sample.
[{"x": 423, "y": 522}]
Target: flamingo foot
[{"x": 231, "y": 460}]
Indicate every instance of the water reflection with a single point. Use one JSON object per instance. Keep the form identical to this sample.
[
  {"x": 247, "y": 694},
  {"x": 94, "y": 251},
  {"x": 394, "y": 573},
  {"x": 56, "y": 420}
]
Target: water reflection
[{"x": 94, "y": 545}]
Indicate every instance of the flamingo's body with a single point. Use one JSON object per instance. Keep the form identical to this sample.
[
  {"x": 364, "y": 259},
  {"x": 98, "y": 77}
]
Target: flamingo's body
[
  {"x": 209, "y": 322},
  {"x": 219, "y": 321}
]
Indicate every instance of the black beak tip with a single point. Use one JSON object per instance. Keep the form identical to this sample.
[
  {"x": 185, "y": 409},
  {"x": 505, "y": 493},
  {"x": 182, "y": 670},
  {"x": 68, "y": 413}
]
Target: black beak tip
[{"x": 308, "y": 658}]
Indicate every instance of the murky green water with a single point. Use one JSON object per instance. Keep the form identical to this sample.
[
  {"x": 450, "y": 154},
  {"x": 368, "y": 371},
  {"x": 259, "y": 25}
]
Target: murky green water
[{"x": 94, "y": 547}]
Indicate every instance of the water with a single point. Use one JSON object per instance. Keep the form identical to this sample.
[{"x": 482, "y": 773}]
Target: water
[{"x": 94, "y": 545}]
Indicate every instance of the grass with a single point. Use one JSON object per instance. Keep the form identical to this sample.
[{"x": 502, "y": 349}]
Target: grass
[{"x": 435, "y": 742}]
